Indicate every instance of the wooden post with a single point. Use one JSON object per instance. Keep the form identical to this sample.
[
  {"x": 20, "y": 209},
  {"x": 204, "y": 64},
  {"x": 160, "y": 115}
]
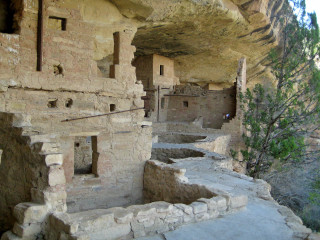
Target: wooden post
[{"x": 40, "y": 36}]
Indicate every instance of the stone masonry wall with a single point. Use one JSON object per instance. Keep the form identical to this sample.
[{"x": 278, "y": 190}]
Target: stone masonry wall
[
  {"x": 30, "y": 172},
  {"x": 69, "y": 86},
  {"x": 213, "y": 107}
]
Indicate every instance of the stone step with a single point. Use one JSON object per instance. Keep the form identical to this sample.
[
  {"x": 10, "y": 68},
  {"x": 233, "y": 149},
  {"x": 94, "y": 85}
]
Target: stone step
[{"x": 28, "y": 212}]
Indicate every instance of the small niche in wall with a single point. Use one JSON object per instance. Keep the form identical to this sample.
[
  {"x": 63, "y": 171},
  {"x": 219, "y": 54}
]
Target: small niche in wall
[
  {"x": 162, "y": 70},
  {"x": 69, "y": 103},
  {"x": 52, "y": 103},
  {"x": 186, "y": 104},
  {"x": 57, "y": 23},
  {"x": 85, "y": 149},
  {"x": 112, "y": 107},
  {"x": 58, "y": 70},
  {"x": 162, "y": 103}
]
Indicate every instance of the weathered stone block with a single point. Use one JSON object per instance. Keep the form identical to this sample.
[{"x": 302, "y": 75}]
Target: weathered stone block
[
  {"x": 122, "y": 215},
  {"x": 30, "y": 213},
  {"x": 185, "y": 208},
  {"x": 62, "y": 222},
  {"x": 238, "y": 201},
  {"x": 54, "y": 159},
  {"x": 50, "y": 147},
  {"x": 221, "y": 203},
  {"x": 56, "y": 176},
  {"x": 27, "y": 230},
  {"x": 211, "y": 203},
  {"x": 199, "y": 207},
  {"x": 202, "y": 216},
  {"x": 162, "y": 207}
]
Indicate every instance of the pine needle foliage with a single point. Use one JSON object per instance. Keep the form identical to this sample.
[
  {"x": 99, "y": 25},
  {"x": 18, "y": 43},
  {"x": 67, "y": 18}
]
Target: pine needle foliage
[{"x": 277, "y": 121}]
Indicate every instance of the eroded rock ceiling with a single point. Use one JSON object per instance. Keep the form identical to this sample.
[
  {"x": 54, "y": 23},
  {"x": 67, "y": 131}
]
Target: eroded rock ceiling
[{"x": 206, "y": 38}]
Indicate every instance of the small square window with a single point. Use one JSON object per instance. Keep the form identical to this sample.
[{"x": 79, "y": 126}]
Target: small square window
[
  {"x": 162, "y": 70},
  {"x": 52, "y": 103},
  {"x": 112, "y": 107},
  {"x": 85, "y": 149},
  {"x": 57, "y": 23},
  {"x": 185, "y": 104}
]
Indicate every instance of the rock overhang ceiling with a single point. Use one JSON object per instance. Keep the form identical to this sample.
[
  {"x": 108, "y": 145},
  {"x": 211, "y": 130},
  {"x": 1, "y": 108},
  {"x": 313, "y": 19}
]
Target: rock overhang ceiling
[{"x": 206, "y": 38}]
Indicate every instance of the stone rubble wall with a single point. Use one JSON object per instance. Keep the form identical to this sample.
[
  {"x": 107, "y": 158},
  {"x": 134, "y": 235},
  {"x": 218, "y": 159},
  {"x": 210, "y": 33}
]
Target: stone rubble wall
[{"x": 32, "y": 178}]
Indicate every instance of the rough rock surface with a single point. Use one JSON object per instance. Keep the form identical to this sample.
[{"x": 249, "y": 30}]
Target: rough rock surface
[{"x": 205, "y": 38}]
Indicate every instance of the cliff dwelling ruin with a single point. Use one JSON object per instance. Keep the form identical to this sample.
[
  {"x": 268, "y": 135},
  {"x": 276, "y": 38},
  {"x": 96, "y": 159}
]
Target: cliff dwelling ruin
[{"x": 102, "y": 101}]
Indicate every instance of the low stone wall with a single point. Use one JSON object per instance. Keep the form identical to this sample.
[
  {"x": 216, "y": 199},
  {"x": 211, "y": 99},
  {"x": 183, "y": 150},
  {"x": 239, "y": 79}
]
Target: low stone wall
[
  {"x": 165, "y": 183},
  {"x": 134, "y": 221},
  {"x": 185, "y": 203}
]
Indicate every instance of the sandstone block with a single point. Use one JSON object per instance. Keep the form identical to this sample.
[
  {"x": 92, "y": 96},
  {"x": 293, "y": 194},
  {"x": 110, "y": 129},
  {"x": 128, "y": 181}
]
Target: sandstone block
[
  {"x": 120, "y": 231},
  {"x": 56, "y": 176},
  {"x": 30, "y": 213},
  {"x": 138, "y": 230},
  {"x": 162, "y": 207},
  {"x": 202, "y": 216},
  {"x": 212, "y": 204},
  {"x": 142, "y": 211},
  {"x": 54, "y": 159},
  {"x": 199, "y": 207},
  {"x": 50, "y": 147},
  {"x": 221, "y": 203},
  {"x": 27, "y": 230},
  {"x": 185, "y": 208},
  {"x": 122, "y": 215},
  {"x": 62, "y": 222},
  {"x": 238, "y": 201},
  {"x": 188, "y": 218}
]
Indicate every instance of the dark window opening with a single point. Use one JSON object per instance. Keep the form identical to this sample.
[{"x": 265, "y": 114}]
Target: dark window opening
[
  {"x": 162, "y": 70},
  {"x": 52, "y": 103},
  {"x": 10, "y": 16},
  {"x": 112, "y": 107},
  {"x": 85, "y": 149},
  {"x": 57, "y": 23},
  {"x": 185, "y": 104},
  {"x": 162, "y": 103},
  {"x": 69, "y": 103}
]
